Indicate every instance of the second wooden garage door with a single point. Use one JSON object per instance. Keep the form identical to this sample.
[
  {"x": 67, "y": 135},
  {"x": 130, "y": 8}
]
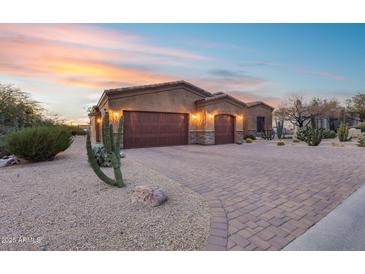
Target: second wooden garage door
[
  {"x": 224, "y": 129},
  {"x": 151, "y": 129}
]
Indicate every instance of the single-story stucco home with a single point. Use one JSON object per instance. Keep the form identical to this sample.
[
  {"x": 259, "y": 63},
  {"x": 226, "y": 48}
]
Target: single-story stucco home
[{"x": 178, "y": 113}]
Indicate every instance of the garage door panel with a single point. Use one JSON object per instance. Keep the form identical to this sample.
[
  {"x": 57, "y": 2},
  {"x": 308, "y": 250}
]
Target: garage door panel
[
  {"x": 224, "y": 129},
  {"x": 148, "y": 129}
]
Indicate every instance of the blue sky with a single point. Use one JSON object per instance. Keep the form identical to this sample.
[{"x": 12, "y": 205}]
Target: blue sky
[{"x": 68, "y": 66}]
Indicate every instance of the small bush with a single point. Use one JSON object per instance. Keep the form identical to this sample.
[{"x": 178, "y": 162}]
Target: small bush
[
  {"x": 101, "y": 156},
  {"x": 249, "y": 140},
  {"x": 296, "y": 140},
  {"x": 281, "y": 143},
  {"x": 361, "y": 140},
  {"x": 38, "y": 143},
  {"x": 329, "y": 134},
  {"x": 361, "y": 126},
  {"x": 302, "y": 133},
  {"x": 250, "y": 136}
]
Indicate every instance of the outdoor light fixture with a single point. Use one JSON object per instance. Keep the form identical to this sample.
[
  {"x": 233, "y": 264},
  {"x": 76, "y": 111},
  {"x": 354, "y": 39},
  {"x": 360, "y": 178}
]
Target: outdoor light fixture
[
  {"x": 210, "y": 115},
  {"x": 193, "y": 116},
  {"x": 99, "y": 120}
]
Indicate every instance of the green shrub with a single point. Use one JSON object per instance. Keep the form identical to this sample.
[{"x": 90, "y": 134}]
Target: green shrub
[
  {"x": 302, "y": 134},
  {"x": 101, "y": 155},
  {"x": 296, "y": 140},
  {"x": 343, "y": 133},
  {"x": 2, "y": 146},
  {"x": 361, "y": 126},
  {"x": 249, "y": 140},
  {"x": 250, "y": 136},
  {"x": 38, "y": 143},
  {"x": 313, "y": 134},
  {"x": 281, "y": 143},
  {"x": 361, "y": 140},
  {"x": 329, "y": 134}
]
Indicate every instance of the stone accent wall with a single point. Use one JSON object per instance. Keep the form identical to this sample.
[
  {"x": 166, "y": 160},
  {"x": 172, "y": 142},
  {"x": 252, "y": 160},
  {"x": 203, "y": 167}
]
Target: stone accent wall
[
  {"x": 252, "y": 132},
  {"x": 202, "y": 137},
  {"x": 239, "y": 137}
]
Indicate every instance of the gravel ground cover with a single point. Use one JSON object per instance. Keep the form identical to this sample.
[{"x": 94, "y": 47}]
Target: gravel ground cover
[{"x": 62, "y": 205}]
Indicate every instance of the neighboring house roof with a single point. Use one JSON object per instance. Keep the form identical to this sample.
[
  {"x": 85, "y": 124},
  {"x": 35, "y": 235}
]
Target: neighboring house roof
[
  {"x": 256, "y": 103},
  {"x": 220, "y": 96}
]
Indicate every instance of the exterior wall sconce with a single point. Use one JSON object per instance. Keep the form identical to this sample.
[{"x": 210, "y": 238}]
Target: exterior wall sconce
[
  {"x": 240, "y": 117},
  {"x": 194, "y": 116},
  {"x": 99, "y": 120},
  {"x": 210, "y": 115}
]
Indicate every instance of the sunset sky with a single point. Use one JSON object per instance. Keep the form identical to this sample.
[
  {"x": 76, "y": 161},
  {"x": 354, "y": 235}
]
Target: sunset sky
[{"x": 67, "y": 66}]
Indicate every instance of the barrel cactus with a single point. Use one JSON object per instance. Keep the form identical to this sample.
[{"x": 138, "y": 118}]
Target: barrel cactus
[{"x": 113, "y": 153}]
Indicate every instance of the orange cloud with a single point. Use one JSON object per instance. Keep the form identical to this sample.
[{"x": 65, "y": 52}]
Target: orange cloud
[{"x": 84, "y": 55}]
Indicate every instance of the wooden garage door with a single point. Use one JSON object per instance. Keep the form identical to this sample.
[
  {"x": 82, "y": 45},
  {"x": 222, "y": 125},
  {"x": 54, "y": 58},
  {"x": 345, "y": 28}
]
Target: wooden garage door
[
  {"x": 224, "y": 129},
  {"x": 151, "y": 129}
]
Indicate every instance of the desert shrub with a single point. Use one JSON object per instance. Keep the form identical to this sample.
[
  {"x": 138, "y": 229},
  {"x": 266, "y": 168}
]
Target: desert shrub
[
  {"x": 249, "y": 140},
  {"x": 38, "y": 143},
  {"x": 296, "y": 140},
  {"x": 2, "y": 146},
  {"x": 361, "y": 126},
  {"x": 250, "y": 136},
  {"x": 281, "y": 143},
  {"x": 101, "y": 156},
  {"x": 361, "y": 140},
  {"x": 302, "y": 133},
  {"x": 329, "y": 134},
  {"x": 343, "y": 133}
]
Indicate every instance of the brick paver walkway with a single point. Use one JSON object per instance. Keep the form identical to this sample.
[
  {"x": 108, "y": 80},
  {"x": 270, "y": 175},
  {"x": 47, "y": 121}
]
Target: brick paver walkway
[{"x": 261, "y": 196}]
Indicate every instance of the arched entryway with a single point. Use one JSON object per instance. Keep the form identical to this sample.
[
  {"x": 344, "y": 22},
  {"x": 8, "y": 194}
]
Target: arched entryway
[{"x": 224, "y": 129}]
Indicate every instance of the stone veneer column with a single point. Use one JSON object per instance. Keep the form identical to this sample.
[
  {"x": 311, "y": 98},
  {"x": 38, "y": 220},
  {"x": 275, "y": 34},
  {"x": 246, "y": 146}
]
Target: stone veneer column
[
  {"x": 239, "y": 137},
  {"x": 202, "y": 137}
]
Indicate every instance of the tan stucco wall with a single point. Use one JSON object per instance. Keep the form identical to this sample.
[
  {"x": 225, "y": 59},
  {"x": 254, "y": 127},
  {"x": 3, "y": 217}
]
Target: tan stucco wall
[
  {"x": 178, "y": 100},
  {"x": 259, "y": 110},
  {"x": 222, "y": 107}
]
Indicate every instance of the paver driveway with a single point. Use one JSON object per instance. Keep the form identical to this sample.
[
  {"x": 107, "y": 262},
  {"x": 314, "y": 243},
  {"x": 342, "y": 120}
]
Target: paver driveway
[{"x": 261, "y": 196}]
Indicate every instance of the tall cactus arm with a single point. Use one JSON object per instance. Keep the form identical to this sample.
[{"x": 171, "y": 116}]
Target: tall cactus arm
[
  {"x": 106, "y": 130},
  {"x": 94, "y": 165},
  {"x": 119, "y": 139},
  {"x": 111, "y": 134},
  {"x": 117, "y": 172}
]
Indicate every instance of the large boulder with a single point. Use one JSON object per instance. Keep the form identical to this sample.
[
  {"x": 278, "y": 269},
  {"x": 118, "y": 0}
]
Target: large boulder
[
  {"x": 8, "y": 161},
  {"x": 149, "y": 195}
]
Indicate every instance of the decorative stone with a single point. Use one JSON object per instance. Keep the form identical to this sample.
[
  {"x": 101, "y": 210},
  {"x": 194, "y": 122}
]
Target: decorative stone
[
  {"x": 8, "y": 161},
  {"x": 149, "y": 195},
  {"x": 122, "y": 155}
]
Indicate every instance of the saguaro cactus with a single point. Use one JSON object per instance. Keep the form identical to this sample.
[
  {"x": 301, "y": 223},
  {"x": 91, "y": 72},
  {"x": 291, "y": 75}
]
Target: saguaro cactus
[{"x": 112, "y": 149}]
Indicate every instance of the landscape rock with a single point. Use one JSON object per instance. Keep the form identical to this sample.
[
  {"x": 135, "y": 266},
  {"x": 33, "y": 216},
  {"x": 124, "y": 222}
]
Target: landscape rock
[
  {"x": 8, "y": 161},
  {"x": 122, "y": 155},
  {"x": 149, "y": 195}
]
